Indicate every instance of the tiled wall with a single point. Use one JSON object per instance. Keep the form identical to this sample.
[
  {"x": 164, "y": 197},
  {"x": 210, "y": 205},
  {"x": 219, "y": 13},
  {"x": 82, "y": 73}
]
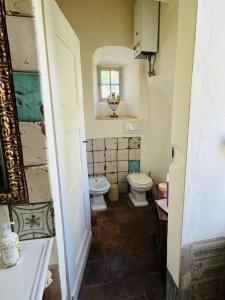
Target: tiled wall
[
  {"x": 114, "y": 158},
  {"x": 34, "y": 220}
]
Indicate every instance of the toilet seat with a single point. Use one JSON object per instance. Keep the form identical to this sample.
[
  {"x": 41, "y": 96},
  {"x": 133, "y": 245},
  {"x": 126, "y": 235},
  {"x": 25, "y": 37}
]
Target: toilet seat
[{"x": 140, "y": 180}]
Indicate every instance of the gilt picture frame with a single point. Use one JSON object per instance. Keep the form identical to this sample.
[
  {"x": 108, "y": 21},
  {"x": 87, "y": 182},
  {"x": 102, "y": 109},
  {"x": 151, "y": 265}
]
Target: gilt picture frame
[{"x": 15, "y": 189}]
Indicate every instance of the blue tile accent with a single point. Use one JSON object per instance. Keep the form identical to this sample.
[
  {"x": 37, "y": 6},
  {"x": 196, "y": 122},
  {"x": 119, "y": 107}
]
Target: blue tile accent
[
  {"x": 28, "y": 96},
  {"x": 134, "y": 166}
]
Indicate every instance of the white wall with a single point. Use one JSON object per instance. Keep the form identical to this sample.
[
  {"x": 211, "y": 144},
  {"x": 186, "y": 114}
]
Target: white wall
[
  {"x": 180, "y": 120},
  {"x": 101, "y": 23},
  {"x": 205, "y": 179},
  {"x": 130, "y": 87}
]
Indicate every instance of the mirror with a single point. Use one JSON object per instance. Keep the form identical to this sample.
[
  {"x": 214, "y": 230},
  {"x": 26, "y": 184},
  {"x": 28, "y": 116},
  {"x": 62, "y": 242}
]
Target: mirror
[{"x": 13, "y": 188}]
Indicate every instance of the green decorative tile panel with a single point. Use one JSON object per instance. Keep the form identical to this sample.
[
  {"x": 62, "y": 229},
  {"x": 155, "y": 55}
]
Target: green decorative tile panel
[
  {"x": 134, "y": 166},
  {"x": 33, "y": 221},
  {"x": 28, "y": 96}
]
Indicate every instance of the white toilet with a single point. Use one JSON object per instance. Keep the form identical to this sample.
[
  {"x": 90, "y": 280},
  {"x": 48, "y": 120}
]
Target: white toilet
[
  {"x": 98, "y": 186},
  {"x": 140, "y": 183}
]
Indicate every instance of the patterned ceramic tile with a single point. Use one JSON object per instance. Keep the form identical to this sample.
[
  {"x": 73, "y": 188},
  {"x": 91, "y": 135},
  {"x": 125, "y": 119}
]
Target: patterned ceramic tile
[
  {"x": 122, "y": 177},
  {"x": 33, "y": 220},
  {"x": 123, "y": 188},
  {"x": 111, "y": 155},
  {"x": 123, "y": 143},
  {"x": 38, "y": 184},
  {"x": 23, "y": 46},
  {"x": 98, "y": 144},
  {"x": 134, "y": 166},
  {"x": 89, "y": 157},
  {"x": 123, "y": 166},
  {"x": 134, "y": 143},
  {"x": 111, "y": 143},
  {"x": 112, "y": 177},
  {"x": 99, "y": 156},
  {"x": 90, "y": 169},
  {"x": 99, "y": 168},
  {"x": 134, "y": 154},
  {"x": 28, "y": 96},
  {"x": 89, "y": 145},
  {"x": 123, "y": 154},
  {"x": 111, "y": 166},
  {"x": 22, "y": 8},
  {"x": 34, "y": 154}
]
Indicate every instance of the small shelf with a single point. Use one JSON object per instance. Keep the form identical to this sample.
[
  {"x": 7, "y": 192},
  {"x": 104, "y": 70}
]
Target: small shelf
[{"x": 116, "y": 119}]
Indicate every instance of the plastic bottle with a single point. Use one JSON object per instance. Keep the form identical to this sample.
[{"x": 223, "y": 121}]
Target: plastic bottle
[{"x": 10, "y": 252}]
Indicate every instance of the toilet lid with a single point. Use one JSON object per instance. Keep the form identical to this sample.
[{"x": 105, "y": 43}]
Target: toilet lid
[{"x": 140, "y": 179}]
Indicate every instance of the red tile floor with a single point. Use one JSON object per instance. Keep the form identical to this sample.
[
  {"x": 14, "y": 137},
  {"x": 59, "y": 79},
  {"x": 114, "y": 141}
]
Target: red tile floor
[{"x": 123, "y": 261}]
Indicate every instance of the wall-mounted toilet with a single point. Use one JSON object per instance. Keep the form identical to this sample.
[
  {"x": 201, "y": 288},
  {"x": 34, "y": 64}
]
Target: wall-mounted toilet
[
  {"x": 140, "y": 183},
  {"x": 98, "y": 186}
]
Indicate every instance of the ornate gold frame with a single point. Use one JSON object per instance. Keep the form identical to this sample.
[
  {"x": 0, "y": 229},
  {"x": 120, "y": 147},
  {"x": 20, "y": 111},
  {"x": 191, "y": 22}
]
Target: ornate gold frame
[{"x": 12, "y": 148}]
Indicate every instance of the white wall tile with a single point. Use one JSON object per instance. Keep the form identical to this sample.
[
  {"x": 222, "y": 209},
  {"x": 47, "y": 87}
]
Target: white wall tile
[
  {"x": 122, "y": 166},
  {"x": 23, "y": 46},
  {"x": 89, "y": 145},
  {"x": 122, "y": 177},
  {"x": 38, "y": 184},
  {"x": 111, "y": 166},
  {"x": 89, "y": 157},
  {"x": 123, "y": 154},
  {"x": 90, "y": 169},
  {"x": 123, "y": 143},
  {"x": 111, "y": 155},
  {"x": 99, "y": 156},
  {"x": 112, "y": 177},
  {"x": 34, "y": 144},
  {"x": 19, "y": 7},
  {"x": 134, "y": 143},
  {"x": 99, "y": 168},
  {"x": 98, "y": 144},
  {"x": 111, "y": 143},
  {"x": 134, "y": 154}
]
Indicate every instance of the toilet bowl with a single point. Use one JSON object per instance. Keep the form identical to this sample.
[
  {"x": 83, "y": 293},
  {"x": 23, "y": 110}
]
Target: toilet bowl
[
  {"x": 140, "y": 183},
  {"x": 98, "y": 186}
]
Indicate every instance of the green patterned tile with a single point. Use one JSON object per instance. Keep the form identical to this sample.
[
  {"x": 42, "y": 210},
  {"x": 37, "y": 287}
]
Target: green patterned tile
[
  {"x": 28, "y": 96},
  {"x": 134, "y": 166},
  {"x": 33, "y": 221}
]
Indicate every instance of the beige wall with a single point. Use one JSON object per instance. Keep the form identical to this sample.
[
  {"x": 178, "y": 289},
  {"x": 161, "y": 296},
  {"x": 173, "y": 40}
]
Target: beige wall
[
  {"x": 180, "y": 122},
  {"x": 100, "y": 23}
]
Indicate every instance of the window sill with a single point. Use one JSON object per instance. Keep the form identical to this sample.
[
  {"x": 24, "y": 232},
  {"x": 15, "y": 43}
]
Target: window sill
[{"x": 116, "y": 119}]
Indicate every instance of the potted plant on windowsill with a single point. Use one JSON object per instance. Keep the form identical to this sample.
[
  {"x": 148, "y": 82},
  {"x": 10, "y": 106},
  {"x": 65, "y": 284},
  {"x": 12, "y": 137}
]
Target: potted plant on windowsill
[{"x": 114, "y": 101}]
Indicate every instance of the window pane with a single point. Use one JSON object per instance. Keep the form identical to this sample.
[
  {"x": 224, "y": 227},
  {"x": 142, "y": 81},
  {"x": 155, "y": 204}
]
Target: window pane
[
  {"x": 115, "y": 88},
  {"x": 105, "y": 91},
  {"x": 105, "y": 78},
  {"x": 115, "y": 77}
]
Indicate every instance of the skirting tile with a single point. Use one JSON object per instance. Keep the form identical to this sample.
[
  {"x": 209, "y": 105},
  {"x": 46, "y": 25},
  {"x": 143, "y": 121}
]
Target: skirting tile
[
  {"x": 34, "y": 144},
  {"x": 19, "y": 7},
  {"x": 23, "y": 45},
  {"x": 38, "y": 184},
  {"x": 28, "y": 96}
]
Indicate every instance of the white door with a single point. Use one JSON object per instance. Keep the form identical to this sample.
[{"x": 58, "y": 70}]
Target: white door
[{"x": 64, "y": 67}]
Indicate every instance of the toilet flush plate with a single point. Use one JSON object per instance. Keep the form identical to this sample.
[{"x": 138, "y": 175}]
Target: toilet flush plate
[{"x": 137, "y": 201}]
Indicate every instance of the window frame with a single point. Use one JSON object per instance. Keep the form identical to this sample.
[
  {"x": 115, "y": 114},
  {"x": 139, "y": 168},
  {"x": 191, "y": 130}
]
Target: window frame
[{"x": 109, "y": 68}]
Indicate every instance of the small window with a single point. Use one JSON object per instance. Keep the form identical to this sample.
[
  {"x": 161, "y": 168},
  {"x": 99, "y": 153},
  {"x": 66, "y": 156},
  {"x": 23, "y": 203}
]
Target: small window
[{"x": 109, "y": 82}]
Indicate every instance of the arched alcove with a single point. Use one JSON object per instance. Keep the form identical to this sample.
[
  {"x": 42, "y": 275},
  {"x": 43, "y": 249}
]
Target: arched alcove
[{"x": 115, "y": 70}]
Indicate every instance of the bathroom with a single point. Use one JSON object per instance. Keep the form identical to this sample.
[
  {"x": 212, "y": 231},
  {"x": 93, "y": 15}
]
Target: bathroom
[{"x": 123, "y": 238}]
